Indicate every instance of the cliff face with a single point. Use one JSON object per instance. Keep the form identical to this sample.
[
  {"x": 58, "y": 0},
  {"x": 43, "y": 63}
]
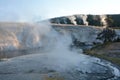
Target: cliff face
[{"x": 93, "y": 20}]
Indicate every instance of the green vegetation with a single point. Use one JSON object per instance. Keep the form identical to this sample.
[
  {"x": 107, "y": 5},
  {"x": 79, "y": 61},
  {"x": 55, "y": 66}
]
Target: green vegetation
[
  {"x": 79, "y": 21},
  {"x": 94, "y": 20},
  {"x": 103, "y": 56},
  {"x": 113, "y": 20},
  {"x": 107, "y": 35},
  {"x": 61, "y": 20},
  {"x": 102, "y": 51}
]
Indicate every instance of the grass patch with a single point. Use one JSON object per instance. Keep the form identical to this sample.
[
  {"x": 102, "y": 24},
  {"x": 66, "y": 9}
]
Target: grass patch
[
  {"x": 96, "y": 53},
  {"x": 101, "y": 46},
  {"x": 53, "y": 76},
  {"x": 102, "y": 51}
]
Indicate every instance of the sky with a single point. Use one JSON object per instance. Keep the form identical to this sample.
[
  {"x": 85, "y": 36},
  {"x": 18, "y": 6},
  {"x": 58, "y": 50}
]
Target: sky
[{"x": 36, "y": 10}]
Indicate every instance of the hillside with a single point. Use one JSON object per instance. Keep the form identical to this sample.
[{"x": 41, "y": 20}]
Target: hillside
[{"x": 93, "y": 20}]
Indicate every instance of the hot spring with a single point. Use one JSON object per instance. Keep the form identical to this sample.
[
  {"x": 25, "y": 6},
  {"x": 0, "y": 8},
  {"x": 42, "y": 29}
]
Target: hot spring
[{"x": 42, "y": 52}]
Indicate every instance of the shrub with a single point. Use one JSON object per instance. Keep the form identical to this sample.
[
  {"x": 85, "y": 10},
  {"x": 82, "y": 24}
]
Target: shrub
[{"x": 107, "y": 35}]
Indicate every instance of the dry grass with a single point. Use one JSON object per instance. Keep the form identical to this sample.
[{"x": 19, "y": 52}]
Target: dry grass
[
  {"x": 53, "y": 76},
  {"x": 107, "y": 52}
]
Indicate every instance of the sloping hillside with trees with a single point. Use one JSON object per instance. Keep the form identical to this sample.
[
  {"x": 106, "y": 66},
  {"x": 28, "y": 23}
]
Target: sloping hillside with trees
[{"x": 93, "y": 20}]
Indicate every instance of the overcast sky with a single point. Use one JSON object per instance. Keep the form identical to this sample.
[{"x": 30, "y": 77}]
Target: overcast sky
[{"x": 33, "y": 10}]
